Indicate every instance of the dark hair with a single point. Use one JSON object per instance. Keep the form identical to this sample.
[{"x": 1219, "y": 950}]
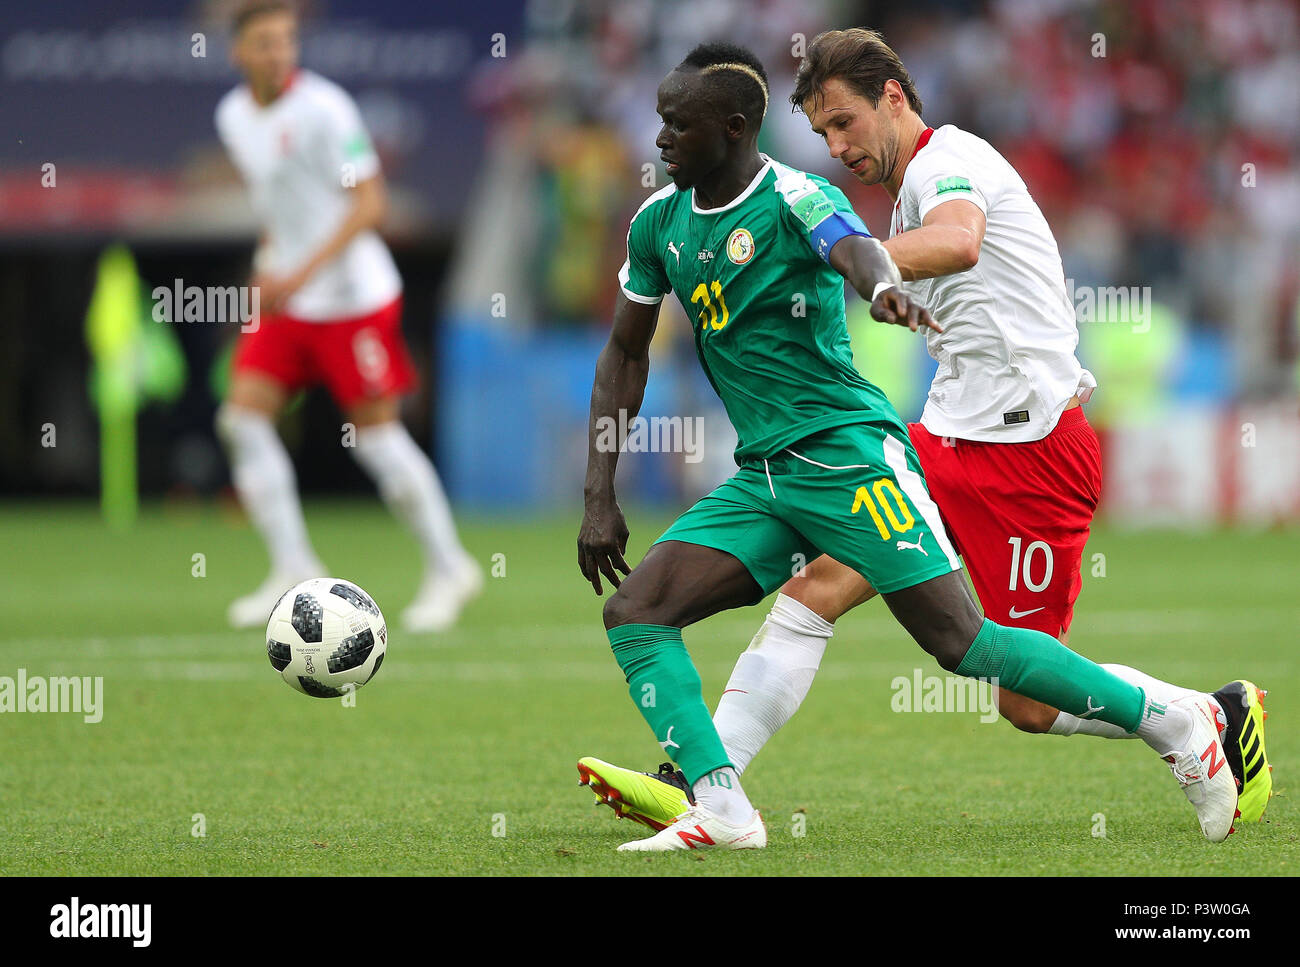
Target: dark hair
[
  {"x": 737, "y": 74},
  {"x": 857, "y": 56},
  {"x": 250, "y": 10}
]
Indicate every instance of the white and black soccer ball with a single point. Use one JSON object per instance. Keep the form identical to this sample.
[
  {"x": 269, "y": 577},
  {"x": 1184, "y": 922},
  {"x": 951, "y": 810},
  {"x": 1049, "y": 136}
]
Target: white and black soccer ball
[{"x": 325, "y": 634}]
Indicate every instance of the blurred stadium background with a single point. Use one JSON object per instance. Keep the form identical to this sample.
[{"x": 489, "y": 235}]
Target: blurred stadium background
[{"x": 1160, "y": 138}]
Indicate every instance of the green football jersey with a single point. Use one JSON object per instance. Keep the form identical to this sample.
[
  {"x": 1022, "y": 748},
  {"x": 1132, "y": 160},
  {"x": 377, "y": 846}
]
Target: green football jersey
[{"x": 767, "y": 310}]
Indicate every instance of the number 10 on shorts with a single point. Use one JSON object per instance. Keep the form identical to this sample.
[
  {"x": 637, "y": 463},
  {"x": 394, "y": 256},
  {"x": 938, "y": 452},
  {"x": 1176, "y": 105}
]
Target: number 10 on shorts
[
  {"x": 1026, "y": 566},
  {"x": 887, "y": 498}
]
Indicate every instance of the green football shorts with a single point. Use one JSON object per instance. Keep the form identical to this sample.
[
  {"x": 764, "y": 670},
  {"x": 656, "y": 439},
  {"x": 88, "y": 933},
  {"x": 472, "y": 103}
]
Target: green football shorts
[{"x": 854, "y": 492}]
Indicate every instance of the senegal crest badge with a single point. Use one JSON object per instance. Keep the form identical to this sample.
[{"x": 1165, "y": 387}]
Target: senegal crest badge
[{"x": 740, "y": 246}]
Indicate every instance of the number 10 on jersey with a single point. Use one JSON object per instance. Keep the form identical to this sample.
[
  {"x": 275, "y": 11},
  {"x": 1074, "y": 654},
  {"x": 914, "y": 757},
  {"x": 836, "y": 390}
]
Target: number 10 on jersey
[{"x": 701, "y": 294}]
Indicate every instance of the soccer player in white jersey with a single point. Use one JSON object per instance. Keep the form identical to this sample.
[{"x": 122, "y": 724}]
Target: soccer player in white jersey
[
  {"x": 1008, "y": 455},
  {"x": 331, "y": 312}
]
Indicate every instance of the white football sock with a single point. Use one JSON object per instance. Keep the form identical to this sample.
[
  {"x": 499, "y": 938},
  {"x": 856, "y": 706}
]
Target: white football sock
[
  {"x": 771, "y": 679},
  {"x": 263, "y": 476},
  {"x": 1164, "y": 727},
  {"x": 1156, "y": 690},
  {"x": 409, "y": 485},
  {"x": 719, "y": 792}
]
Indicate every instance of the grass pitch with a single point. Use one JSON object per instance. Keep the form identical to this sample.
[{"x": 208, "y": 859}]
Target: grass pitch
[{"x": 459, "y": 757}]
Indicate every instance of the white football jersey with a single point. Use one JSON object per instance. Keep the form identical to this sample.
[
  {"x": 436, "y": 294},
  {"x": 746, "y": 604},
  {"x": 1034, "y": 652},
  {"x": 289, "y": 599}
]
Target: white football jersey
[
  {"x": 296, "y": 154},
  {"x": 1006, "y": 356}
]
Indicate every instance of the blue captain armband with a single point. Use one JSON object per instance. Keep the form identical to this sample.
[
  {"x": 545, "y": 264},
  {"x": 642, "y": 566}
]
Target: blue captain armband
[{"x": 831, "y": 229}]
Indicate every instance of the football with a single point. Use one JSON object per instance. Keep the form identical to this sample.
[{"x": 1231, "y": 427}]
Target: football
[{"x": 325, "y": 637}]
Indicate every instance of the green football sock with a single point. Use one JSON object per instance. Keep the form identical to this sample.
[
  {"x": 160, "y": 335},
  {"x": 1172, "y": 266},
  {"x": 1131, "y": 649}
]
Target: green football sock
[
  {"x": 1037, "y": 666},
  {"x": 663, "y": 682}
]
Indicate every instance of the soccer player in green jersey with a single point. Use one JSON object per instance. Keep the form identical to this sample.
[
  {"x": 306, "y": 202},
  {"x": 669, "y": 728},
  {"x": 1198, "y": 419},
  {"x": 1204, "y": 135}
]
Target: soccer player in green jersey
[{"x": 825, "y": 463}]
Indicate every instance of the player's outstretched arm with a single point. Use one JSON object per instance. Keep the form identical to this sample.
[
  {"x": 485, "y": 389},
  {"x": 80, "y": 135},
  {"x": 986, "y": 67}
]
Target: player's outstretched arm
[
  {"x": 868, "y": 266},
  {"x": 621, "y": 374},
  {"x": 948, "y": 241}
]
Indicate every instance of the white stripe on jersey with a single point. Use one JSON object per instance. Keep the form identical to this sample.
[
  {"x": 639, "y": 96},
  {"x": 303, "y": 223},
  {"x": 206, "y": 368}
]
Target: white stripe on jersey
[{"x": 624, "y": 274}]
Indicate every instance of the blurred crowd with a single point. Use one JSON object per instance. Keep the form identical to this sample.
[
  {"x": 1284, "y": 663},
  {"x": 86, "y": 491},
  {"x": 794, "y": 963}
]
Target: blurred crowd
[{"x": 1160, "y": 137}]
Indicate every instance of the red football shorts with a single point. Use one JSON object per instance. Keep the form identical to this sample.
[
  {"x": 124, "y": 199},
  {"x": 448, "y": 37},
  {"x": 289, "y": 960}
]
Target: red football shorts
[
  {"x": 1019, "y": 515},
  {"x": 360, "y": 358}
]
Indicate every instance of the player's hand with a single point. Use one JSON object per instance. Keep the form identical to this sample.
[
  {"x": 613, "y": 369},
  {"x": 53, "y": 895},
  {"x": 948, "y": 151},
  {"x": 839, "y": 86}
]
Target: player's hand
[
  {"x": 895, "y": 307},
  {"x": 602, "y": 542},
  {"x": 274, "y": 290}
]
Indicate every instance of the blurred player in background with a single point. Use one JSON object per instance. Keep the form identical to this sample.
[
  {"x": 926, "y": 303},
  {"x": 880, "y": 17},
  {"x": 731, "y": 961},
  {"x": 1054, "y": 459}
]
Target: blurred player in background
[
  {"x": 1007, "y": 453},
  {"x": 331, "y": 304}
]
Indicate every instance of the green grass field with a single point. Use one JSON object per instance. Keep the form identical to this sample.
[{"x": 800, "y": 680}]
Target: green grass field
[{"x": 459, "y": 757}]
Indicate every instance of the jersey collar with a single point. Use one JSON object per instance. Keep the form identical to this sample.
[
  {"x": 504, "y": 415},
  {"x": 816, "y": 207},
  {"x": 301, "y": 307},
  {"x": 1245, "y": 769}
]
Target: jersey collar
[
  {"x": 922, "y": 141},
  {"x": 767, "y": 166},
  {"x": 288, "y": 83}
]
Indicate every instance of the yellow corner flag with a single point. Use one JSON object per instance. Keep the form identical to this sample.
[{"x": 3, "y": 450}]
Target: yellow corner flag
[{"x": 112, "y": 332}]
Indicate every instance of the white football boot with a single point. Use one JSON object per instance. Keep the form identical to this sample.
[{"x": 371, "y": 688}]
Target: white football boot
[
  {"x": 1202, "y": 769},
  {"x": 699, "y": 829},
  {"x": 254, "y": 609},
  {"x": 441, "y": 598}
]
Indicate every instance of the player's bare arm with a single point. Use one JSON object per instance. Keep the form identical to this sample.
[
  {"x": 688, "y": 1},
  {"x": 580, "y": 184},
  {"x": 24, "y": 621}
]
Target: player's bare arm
[
  {"x": 867, "y": 265},
  {"x": 619, "y": 386},
  {"x": 369, "y": 206},
  {"x": 948, "y": 241}
]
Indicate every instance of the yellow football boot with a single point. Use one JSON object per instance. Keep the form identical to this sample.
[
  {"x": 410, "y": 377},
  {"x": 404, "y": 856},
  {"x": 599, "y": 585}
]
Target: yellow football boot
[
  {"x": 652, "y": 800},
  {"x": 1243, "y": 745}
]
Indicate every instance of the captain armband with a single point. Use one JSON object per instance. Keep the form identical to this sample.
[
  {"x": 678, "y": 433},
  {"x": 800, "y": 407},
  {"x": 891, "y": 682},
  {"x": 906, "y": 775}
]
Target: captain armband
[{"x": 832, "y": 228}]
